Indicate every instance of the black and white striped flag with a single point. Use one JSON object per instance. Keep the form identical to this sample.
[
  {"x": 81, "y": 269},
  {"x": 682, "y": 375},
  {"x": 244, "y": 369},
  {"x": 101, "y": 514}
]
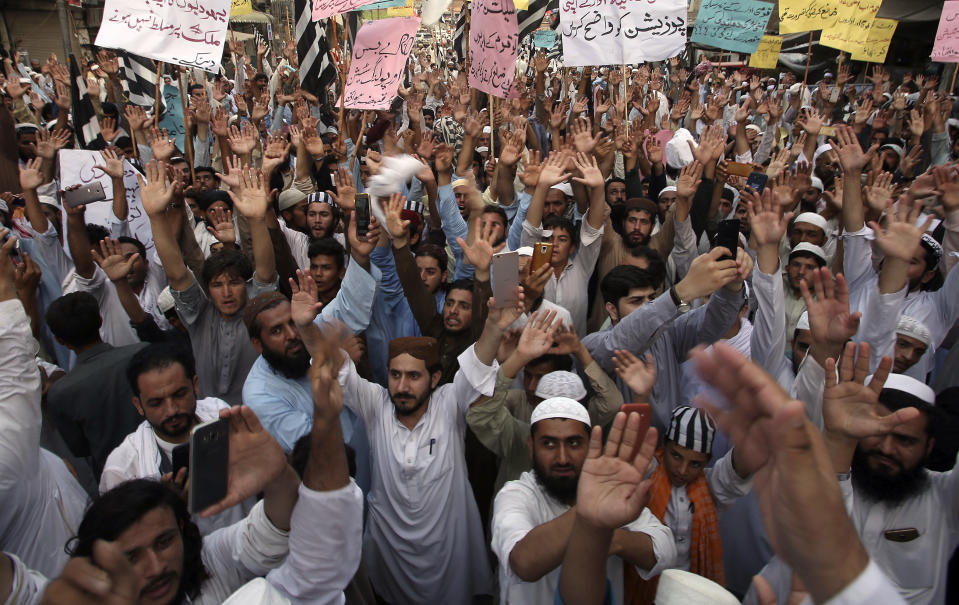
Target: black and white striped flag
[
  {"x": 460, "y": 43},
  {"x": 317, "y": 69},
  {"x": 138, "y": 78},
  {"x": 529, "y": 20},
  {"x": 85, "y": 123},
  {"x": 259, "y": 39}
]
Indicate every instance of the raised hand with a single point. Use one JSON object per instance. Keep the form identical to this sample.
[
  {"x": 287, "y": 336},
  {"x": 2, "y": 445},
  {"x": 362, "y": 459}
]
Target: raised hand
[
  {"x": 901, "y": 236},
  {"x": 947, "y": 186},
  {"x": 277, "y": 150},
  {"x": 111, "y": 260},
  {"x": 553, "y": 170},
  {"x": 108, "y": 128},
  {"x": 395, "y": 225},
  {"x": 531, "y": 169},
  {"x": 304, "y": 305},
  {"x": 830, "y": 320},
  {"x": 221, "y": 225},
  {"x": 156, "y": 192},
  {"x": 689, "y": 179},
  {"x": 105, "y": 578},
  {"x": 345, "y": 197},
  {"x": 766, "y": 219},
  {"x": 536, "y": 339},
  {"x": 31, "y": 175},
  {"x": 707, "y": 273},
  {"x": 250, "y": 195},
  {"x": 587, "y": 166},
  {"x": 161, "y": 144},
  {"x": 654, "y": 151},
  {"x": 112, "y": 164},
  {"x": 811, "y": 122},
  {"x": 611, "y": 490},
  {"x": 583, "y": 138},
  {"x": 480, "y": 252},
  {"x": 242, "y": 142},
  {"x": 638, "y": 374}
]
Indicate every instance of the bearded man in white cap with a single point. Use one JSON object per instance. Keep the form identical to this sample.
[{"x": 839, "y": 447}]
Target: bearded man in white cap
[
  {"x": 803, "y": 260},
  {"x": 810, "y": 228},
  {"x": 533, "y": 516}
]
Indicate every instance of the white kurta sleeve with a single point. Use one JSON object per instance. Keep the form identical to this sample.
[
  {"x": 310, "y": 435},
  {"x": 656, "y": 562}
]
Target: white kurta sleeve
[
  {"x": 664, "y": 544},
  {"x": 871, "y": 586},
  {"x": 725, "y": 484},
  {"x": 365, "y": 398},
  {"x": 20, "y": 405},
  {"x": 473, "y": 379}
]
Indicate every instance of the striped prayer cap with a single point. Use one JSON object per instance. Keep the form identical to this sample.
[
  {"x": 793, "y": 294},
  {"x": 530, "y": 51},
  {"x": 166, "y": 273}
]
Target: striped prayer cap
[{"x": 692, "y": 429}]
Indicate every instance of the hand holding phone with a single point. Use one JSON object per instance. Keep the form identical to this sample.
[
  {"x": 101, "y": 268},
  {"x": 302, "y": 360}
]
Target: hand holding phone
[
  {"x": 362, "y": 214},
  {"x": 542, "y": 252},
  {"x": 727, "y": 236},
  {"x": 209, "y": 464},
  {"x": 84, "y": 195}
]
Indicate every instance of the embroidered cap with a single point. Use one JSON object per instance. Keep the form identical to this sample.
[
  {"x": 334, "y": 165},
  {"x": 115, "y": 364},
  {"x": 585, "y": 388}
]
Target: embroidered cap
[
  {"x": 561, "y": 384},
  {"x": 560, "y": 407},
  {"x": 912, "y": 327}
]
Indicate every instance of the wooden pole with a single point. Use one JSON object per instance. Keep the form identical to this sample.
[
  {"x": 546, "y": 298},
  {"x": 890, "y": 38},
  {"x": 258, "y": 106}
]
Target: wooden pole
[
  {"x": 492, "y": 126},
  {"x": 188, "y": 134},
  {"x": 466, "y": 39},
  {"x": 805, "y": 77},
  {"x": 156, "y": 106},
  {"x": 359, "y": 141},
  {"x": 952, "y": 86},
  {"x": 625, "y": 100}
]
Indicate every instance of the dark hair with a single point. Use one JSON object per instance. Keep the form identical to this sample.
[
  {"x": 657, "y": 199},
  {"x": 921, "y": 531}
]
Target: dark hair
[
  {"x": 657, "y": 266},
  {"x": 276, "y": 182},
  {"x": 805, "y": 254},
  {"x": 205, "y": 199},
  {"x": 612, "y": 180},
  {"x": 463, "y": 283},
  {"x": 327, "y": 246},
  {"x": 561, "y": 222},
  {"x": 498, "y": 212},
  {"x": 641, "y": 204},
  {"x": 209, "y": 169},
  {"x": 429, "y": 112},
  {"x": 559, "y": 363},
  {"x": 123, "y": 142},
  {"x": 96, "y": 233},
  {"x": 141, "y": 249},
  {"x": 434, "y": 252},
  {"x": 114, "y": 511},
  {"x": 228, "y": 261},
  {"x": 623, "y": 278},
  {"x": 255, "y": 328},
  {"x": 159, "y": 356},
  {"x": 194, "y": 87},
  {"x": 75, "y": 319}
]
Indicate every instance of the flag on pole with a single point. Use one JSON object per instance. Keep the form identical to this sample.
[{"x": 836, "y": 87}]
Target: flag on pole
[
  {"x": 460, "y": 43},
  {"x": 316, "y": 67},
  {"x": 529, "y": 20},
  {"x": 137, "y": 78},
  {"x": 85, "y": 123}
]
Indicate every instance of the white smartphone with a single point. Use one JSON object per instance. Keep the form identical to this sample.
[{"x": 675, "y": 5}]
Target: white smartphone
[{"x": 505, "y": 278}]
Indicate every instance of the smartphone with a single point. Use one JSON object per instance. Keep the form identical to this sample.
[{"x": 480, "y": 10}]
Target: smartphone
[
  {"x": 84, "y": 195},
  {"x": 542, "y": 252},
  {"x": 209, "y": 464},
  {"x": 362, "y": 214},
  {"x": 727, "y": 236},
  {"x": 645, "y": 412},
  {"x": 757, "y": 181},
  {"x": 739, "y": 169},
  {"x": 181, "y": 458},
  {"x": 505, "y": 278}
]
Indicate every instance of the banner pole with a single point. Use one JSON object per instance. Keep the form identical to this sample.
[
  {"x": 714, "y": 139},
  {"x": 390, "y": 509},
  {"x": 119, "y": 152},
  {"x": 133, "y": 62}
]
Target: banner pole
[
  {"x": 805, "y": 77},
  {"x": 188, "y": 134},
  {"x": 492, "y": 129},
  {"x": 156, "y": 98}
]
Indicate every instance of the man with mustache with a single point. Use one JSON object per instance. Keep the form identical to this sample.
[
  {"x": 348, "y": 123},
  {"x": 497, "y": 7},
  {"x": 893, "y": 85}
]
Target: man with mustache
[{"x": 164, "y": 384}]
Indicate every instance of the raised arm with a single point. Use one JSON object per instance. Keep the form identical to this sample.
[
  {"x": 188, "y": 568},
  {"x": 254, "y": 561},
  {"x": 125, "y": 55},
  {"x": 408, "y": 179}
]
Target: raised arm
[
  {"x": 250, "y": 200},
  {"x": 156, "y": 194},
  {"x": 112, "y": 166},
  {"x": 853, "y": 160}
]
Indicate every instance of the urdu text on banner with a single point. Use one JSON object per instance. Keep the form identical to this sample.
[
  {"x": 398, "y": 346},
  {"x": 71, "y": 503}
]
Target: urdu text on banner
[
  {"x": 736, "y": 25},
  {"x": 946, "y": 47},
  {"x": 327, "y": 8},
  {"x": 807, "y": 15},
  {"x": 379, "y": 59},
  {"x": 617, "y": 32},
  {"x": 494, "y": 46},
  {"x": 189, "y": 33}
]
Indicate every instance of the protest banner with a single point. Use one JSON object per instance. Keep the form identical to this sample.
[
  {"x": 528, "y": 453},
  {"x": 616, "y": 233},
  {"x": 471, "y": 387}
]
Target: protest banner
[
  {"x": 946, "y": 47},
  {"x": 77, "y": 168},
  {"x": 632, "y": 31},
  {"x": 876, "y": 46},
  {"x": 327, "y": 8},
  {"x": 379, "y": 58},
  {"x": 850, "y": 29},
  {"x": 241, "y": 7},
  {"x": 494, "y": 46},
  {"x": 187, "y": 33},
  {"x": 544, "y": 38},
  {"x": 767, "y": 53},
  {"x": 807, "y": 15},
  {"x": 383, "y": 4},
  {"x": 736, "y": 25},
  {"x": 173, "y": 116}
]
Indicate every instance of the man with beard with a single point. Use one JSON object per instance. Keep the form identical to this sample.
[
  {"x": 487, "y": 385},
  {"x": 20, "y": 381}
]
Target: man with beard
[
  {"x": 278, "y": 389},
  {"x": 804, "y": 260},
  {"x": 533, "y": 516},
  {"x": 163, "y": 380},
  {"x": 322, "y": 217}
]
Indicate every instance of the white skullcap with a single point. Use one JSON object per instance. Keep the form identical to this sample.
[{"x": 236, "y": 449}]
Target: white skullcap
[
  {"x": 803, "y": 323},
  {"x": 482, "y": 149},
  {"x": 678, "y": 587},
  {"x": 952, "y": 123},
  {"x": 813, "y": 219},
  {"x": 459, "y": 183},
  {"x": 809, "y": 248},
  {"x": 525, "y": 251},
  {"x": 49, "y": 200},
  {"x": 692, "y": 429},
  {"x": 819, "y": 151},
  {"x": 566, "y": 188},
  {"x": 257, "y": 592},
  {"x": 561, "y": 384},
  {"x": 754, "y": 127},
  {"x": 165, "y": 300},
  {"x": 667, "y": 189},
  {"x": 486, "y": 130},
  {"x": 817, "y": 184},
  {"x": 560, "y": 407},
  {"x": 909, "y": 386},
  {"x": 910, "y": 326},
  {"x": 678, "y": 153},
  {"x": 896, "y": 148},
  {"x": 289, "y": 198}
]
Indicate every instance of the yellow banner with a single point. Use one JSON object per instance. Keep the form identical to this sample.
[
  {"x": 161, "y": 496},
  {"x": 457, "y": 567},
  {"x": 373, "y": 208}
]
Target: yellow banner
[
  {"x": 767, "y": 54},
  {"x": 521, "y": 5},
  {"x": 807, "y": 15},
  {"x": 241, "y": 7},
  {"x": 877, "y": 43},
  {"x": 849, "y": 32}
]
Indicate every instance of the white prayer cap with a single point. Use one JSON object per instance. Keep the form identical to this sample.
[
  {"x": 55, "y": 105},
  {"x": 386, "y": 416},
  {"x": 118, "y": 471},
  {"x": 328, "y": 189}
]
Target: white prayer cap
[
  {"x": 817, "y": 183},
  {"x": 486, "y": 130},
  {"x": 561, "y": 384},
  {"x": 482, "y": 149},
  {"x": 678, "y": 153},
  {"x": 49, "y": 200},
  {"x": 813, "y": 219},
  {"x": 459, "y": 183},
  {"x": 560, "y": 407},
  {"x": 952, "y": 123},
  {"x": 810, "y": 249},
  {"x": 692, "y": 429},
  {"x": 896, "y": 148},
  {"x": 566, "y": 188},
  {"x": 909, "y": 386},
  {"x": 165, "y": 300},
  {"x": 803, "y": 323},
  {"x": 678, "y": 587},
  {"x": 910, "y": 326},
  {"x": 257, "y": 592},
  {"x": 667, "y": 190},
  {"x": 755, "y": 128},
  {"x": 525, "y": 251},
  {"x": 289, "y": 198},
  {"x": 819, "y": 151}
]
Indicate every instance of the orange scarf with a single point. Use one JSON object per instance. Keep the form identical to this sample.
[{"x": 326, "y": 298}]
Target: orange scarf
[{"x": 705, "y": 548}]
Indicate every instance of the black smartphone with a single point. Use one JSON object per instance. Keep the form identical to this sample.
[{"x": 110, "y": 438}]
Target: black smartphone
[
  {"x": 362, "y": 214},
  {"x": 727, "y": 236},
  {"x": 209, "y": 464},
  {"x": 757, "y": 181},
  {"x": 181, "y": 458}
]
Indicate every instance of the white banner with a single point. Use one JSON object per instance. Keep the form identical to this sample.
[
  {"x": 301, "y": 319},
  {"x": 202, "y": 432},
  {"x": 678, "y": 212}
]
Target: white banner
[
  {"x": 183, "y": 32},
  {"x": 77, "y": 168},
  {"x": 618, "y": 32}
]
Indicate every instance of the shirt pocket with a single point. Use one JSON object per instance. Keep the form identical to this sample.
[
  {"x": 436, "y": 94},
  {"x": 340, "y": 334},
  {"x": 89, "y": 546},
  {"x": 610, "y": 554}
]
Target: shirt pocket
[{"x": 912, "y": 565}]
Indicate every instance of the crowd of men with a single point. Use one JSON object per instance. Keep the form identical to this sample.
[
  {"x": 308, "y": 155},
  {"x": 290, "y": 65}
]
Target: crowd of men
[{"x": 396, "y": 435}]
